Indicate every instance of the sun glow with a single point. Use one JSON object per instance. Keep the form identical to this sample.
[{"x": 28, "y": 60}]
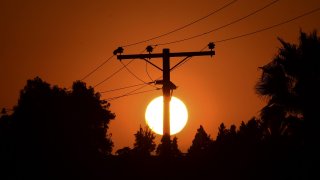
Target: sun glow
[{"x": 178, "y": 115}]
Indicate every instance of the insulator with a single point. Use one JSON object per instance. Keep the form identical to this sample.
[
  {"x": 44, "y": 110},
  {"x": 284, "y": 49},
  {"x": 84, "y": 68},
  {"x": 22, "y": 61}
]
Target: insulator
[
  {"x": 119, "y": 50},
  {"x": 211, "y": 45},
  {"x": 149, "y": 49}
]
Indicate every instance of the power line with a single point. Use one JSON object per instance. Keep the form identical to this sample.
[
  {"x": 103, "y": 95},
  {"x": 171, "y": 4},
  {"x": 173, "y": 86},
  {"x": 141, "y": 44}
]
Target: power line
[
  {"x": 228, "y": 39},
  {"x": 126, "y": 87},
  {"x": 208, "y": 32},
  {"x": 145, "y": 85},
  {"x": 135, "y": 75},
  {"x": 120, "y": 69},
  {"x": 148, "y": 72},
  {"x": 109, "y": 77},
  {"x": 270, "y": 27},
  {"x": 183, "y": 61},
  {"x": 94, "y": 70},
  {"x": 177, "y": 41},
  {"x": 132, "y": 73},
  {"x": 182, "y": 27},
  {"x": 132, "y": 93}
]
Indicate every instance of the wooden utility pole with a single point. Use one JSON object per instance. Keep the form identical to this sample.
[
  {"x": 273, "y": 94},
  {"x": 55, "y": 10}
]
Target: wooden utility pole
[{"x": 168, "y": 86}]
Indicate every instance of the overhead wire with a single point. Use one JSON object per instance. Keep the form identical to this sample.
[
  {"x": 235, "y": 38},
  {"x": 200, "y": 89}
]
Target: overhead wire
[
  {"x": 183, "y": 61},
  {"x": 94, "y": 70},
  {"x": 226, "y": 25},
  {"x": 117, "y": 97},
  {"x": 270, "y": 27},
  {"x": 133, "y": 91},
  {"x": 182, "y": 27},
  {"x": 148, "y": 72},
  {"x": 120, "y": 69},
  {"x": 134, "y": 75},
  {"x": 109, "y": 77},
  {"x": 156, "y": 37},
  {"x": 121, "y": 88},
  {"x": 219, "y": 41}
]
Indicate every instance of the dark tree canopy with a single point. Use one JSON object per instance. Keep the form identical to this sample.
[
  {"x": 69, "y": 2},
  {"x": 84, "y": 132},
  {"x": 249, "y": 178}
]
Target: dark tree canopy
[
  {"x": 144, "y": 142},
  {"x": 124, "y": 152},
  {"x": 54, "y": 127},
  {"x": 291, "y": 83},
  {"x": 250, "y": 132},
  {"x": 168, "y": 148},
  {"x": 222, "y": 132},
  {"x": 200, "y": 143}
]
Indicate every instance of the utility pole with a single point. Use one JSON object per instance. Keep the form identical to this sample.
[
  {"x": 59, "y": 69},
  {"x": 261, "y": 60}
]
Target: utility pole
[{"x": 168, "y": 86}]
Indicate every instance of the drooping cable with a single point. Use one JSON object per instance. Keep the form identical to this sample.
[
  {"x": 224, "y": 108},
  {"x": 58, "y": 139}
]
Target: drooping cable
[
  {"x": 121, "y": 88},
  {"x": 94, "y": 70},
  {"x": 125, "y": 95},
  {"x": 109, "y": 77},
  {"x": 228, "y": 24},
  {"x": 270, "y": 27},
  {"x": 182, "y": 27}
]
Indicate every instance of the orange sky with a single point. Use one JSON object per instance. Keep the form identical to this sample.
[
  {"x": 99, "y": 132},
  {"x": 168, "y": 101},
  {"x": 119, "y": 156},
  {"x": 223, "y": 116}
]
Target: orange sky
[{"x": 62, "y": 41}]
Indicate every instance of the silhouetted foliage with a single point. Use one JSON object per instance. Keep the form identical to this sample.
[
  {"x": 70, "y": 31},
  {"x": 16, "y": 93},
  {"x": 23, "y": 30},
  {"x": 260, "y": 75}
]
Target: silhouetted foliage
[
  {"x": 124, "y": 152},
  {"x": 225, "y": 135},
  {"x": 291, "y": 84},
  {"x": 144, "y": 142},
  {"x": 222, "y": 132},
  {"x": 250, "y": 132},
  {"x": 59, "y": 131},
  {"x": 200, "y": 143},
  {"x": 168, "y": 148},
  {"x": 175, "y": 151}
]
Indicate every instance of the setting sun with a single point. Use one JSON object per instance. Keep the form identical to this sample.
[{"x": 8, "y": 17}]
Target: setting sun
[{"x": 178, "y": 115}]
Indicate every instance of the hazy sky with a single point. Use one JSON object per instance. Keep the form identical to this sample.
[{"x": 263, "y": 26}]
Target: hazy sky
[{"x": 62, "y": 41}]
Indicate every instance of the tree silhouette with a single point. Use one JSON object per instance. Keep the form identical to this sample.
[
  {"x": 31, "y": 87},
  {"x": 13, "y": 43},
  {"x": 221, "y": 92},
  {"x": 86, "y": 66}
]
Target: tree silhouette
[
  {"x": 163, "y": 149},
  {"x": 174, "y": 148},
  {"x": 124, "y": 152},
  {"x": 250, "y": 132},
  {"x": 144, "y": 142},
  {"x": 227, "y": 136},
  {"x": 200, "y": 144},
  {"x": 291, "y": 84},
  {"x": 222, "y": 132},
  {"x": 168, "y": 148},
  {"x": 7, "y": 150},
  {"x": 62, "y": 132}
]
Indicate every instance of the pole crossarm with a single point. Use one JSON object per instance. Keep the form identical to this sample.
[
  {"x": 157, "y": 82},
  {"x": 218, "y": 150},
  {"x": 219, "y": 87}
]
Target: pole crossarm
[{"x": 160, "y": 55}]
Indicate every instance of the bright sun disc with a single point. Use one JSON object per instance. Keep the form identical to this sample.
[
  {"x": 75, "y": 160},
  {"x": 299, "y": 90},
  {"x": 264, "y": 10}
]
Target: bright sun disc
[{"x": 178, "y": 115}]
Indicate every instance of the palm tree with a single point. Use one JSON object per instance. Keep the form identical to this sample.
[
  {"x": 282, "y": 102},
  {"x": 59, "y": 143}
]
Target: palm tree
[{"x": 291, "y": 84}]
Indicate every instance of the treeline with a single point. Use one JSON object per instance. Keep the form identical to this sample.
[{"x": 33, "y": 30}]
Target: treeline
[
  {"x": 55, "y": 133},
  {"x": 247, "y": 152}
]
